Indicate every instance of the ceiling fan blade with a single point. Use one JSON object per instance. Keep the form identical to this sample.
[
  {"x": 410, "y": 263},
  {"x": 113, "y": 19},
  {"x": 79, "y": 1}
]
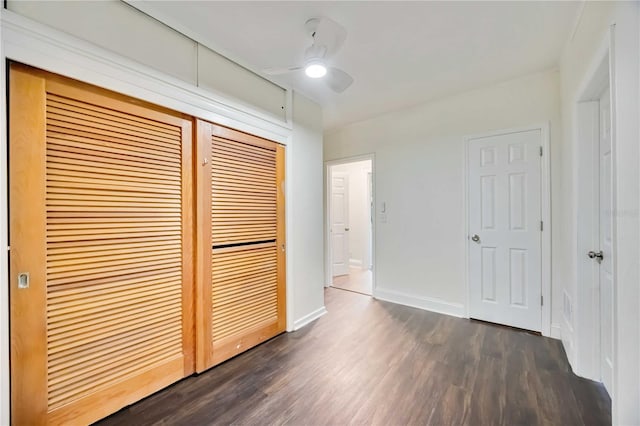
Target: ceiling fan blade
[
  {"x": 327, "y": 32},
  {"x": 338, "y": 80},
  {"x": 280, "y": 71}
]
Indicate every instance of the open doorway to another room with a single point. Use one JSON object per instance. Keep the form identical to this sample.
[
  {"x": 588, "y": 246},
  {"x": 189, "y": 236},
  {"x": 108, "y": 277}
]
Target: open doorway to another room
[{"x": 350, "y": 225}]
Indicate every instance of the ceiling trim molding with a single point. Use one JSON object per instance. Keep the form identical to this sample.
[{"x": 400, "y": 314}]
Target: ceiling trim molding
[{"x": 166, "y": 19}]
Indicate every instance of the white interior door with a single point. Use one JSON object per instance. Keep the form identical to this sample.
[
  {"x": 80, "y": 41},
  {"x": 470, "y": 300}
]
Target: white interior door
[
  {"x": 606, "y": 258},
  {"x": 505, "y": 229},
  {"x": 339, "y": 223},
  {"x": 370, "y": 225}
]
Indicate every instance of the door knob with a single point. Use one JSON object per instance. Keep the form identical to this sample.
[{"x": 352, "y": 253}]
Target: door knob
[
  {"x": 346, "y": 229},
  {"x": 597, "y": 255},
  {"x": 475, "y": 238}
]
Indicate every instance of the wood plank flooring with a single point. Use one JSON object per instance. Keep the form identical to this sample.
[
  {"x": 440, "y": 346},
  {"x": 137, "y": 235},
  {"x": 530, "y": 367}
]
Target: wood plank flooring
[
  {"x": 358, "y": 280},
  {"x": 372, "y": 362}
]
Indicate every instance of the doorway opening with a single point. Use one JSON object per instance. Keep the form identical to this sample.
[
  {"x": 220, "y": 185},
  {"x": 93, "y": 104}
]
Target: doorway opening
[
  {"x": 350, "y": 224},
  {"x": 594, "y": 298}
]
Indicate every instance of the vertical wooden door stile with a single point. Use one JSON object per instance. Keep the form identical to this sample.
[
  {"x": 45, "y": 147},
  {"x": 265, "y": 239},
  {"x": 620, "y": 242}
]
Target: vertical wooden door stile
[
  {"x": 242, "y": 297},
  {"x": 102, "y": 220}
]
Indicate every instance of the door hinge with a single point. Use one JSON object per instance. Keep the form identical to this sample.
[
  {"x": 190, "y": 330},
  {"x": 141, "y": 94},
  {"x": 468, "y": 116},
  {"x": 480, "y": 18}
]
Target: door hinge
[
  {"x": 541, "y": 300},
  {"x": 540, "y": 151},
  {"x": 541, "y": 226}
]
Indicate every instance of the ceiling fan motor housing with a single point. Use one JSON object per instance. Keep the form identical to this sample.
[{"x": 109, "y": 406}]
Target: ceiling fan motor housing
[{"x": 315, "y": 53}]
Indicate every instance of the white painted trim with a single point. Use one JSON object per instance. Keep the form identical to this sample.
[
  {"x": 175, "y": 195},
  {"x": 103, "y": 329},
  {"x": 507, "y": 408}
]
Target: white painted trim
[
  {"x": 587, "y": 298},
  {"x": 585, "y": 346},
  {"x": 327, "y": 219},
  {"x": 355, "y": 263},
  {"x": 556, "y": 331},
  {"x": 466, "y": 236},
  {"x": 38, "y": 45},
  {"x": 289, "y": 244},
  {"x": 328, "y": 257},
  {"x": 426, "y": 303},
  {"x": 614, "y": 223},
  {"x": 545, "y": 206},
  {"x": 638, "y": 118},
  {"x": 5, "y": 401},
  {"x": 546, "y": 253},
  {"x": 32, "y": 43},
  {"x": 148, "y": 8},
  {"x": 567, "y": 334},
  {"x": 309, "y": 318}
]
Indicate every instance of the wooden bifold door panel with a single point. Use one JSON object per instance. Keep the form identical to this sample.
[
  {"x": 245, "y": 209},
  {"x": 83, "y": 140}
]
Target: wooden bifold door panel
[
  {"x": 101, "y": 220},
  {"x": 133, "y": 260},
  {"x": 241, "y": 248}
]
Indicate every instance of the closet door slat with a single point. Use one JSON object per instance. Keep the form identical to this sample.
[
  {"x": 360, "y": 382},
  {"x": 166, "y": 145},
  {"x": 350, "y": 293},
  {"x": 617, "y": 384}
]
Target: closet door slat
[
  {"x": 228, "y": 159},
  {"x": 241, "y": 292},
  {"x": 154, "y": 310},
  {"x": 114, "y": 294}
]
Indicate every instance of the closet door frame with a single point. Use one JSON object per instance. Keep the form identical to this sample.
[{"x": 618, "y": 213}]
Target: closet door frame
[
  {"x": 205, "y": 356},
  {"x": 28, "y": 160},
  {"x": 39, "y": 45}
]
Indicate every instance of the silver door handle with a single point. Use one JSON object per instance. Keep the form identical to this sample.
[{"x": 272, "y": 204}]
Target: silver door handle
[
  {"x": 346, "y": 229},
  {"x": 23, "y": 280},
  {"x": 597, "y": 255},
  {"x": 475, "y": 238}
]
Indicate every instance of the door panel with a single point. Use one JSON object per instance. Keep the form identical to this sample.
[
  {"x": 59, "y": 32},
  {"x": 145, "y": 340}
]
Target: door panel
[
  {"x": 488, "y": 255},
  {"x": 101, "y": 220},
  {"x": 504, "y": 213},
  {"x": 244, "y": 297},
  {"x": 241, "y": 291},
  {"x": 606, "y": 267},
  {"x": 339, "y": 223}
]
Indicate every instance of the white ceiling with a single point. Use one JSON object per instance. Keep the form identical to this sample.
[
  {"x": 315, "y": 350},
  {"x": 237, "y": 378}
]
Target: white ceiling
[{"x": 399, "y": 53}]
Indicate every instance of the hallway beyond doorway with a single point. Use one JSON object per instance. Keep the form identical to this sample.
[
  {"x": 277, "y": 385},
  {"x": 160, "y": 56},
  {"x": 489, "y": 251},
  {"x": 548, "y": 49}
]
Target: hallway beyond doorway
[{"x": 357, "y": 280}]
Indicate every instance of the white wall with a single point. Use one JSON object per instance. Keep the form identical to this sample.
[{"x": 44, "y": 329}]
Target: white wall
[
  {"x": 359, "y": 206},
  {"x": 166, "y": 50},
  {"x": 578, "y": 59},
  {"x": 420, "y": 250},
  {"x": 34, "y": 44},
  {"x": 307, "y": 237},
  {"x": 119, "y": 27}
]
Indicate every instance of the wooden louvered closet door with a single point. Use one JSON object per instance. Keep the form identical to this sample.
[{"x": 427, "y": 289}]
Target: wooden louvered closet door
[
  {"x": 101, "y": 219},
  {"x": 241, "y": 273}
]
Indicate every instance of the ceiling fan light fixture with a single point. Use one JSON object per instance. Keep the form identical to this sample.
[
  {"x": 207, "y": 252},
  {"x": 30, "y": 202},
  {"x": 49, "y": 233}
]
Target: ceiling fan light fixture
[{"x": 315, "y": 69}]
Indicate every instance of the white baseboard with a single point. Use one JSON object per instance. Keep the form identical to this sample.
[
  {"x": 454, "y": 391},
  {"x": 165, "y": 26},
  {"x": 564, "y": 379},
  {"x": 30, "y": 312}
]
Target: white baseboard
[
  {"x": 567, "y": 336},
  {"x": 426, "y": 303},
  {"x": 556, "y": 331},
  {"x": 309, "y": 318},
  {"x": 356, "y": 263}
]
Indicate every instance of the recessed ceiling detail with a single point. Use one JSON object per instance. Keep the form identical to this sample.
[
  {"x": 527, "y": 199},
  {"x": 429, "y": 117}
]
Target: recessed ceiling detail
[{"x": 400, "y": 53}]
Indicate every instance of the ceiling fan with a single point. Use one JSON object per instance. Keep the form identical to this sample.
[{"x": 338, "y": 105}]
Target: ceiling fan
[{"x": 328, "y": 36}]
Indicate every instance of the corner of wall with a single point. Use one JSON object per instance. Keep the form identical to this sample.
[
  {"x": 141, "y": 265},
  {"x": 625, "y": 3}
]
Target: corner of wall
[{"x": 306, "y": 245}]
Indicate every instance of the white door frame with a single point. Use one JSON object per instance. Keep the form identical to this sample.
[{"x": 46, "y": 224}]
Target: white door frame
[
  {"x": 545, "y": 205},
  {"x": 328, "y": 260},
  {"x": 586, "y": 352}
]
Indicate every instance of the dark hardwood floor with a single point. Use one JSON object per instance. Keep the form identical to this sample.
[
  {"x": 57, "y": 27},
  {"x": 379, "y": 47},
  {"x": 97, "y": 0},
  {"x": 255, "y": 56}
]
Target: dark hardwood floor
[{"x": 372, "y": 362}]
